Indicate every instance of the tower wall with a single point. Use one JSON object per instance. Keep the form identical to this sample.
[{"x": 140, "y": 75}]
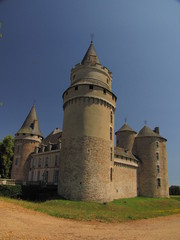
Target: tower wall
[
  {"x": 152, "y": 153},
  {"x": 24, "y": 146},
  {"x": 125, "y": 139},
  {"x": 86, "y": 166}
]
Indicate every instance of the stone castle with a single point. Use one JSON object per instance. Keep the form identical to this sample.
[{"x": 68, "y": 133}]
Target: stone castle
[{"x": 82, "y": 159}]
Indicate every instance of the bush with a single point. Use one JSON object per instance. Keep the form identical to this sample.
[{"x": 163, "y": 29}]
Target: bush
[
  {"x": 11, "y": 191},
  {"x": 174, "y": 190},
  {"x": 38, "y": 193}
]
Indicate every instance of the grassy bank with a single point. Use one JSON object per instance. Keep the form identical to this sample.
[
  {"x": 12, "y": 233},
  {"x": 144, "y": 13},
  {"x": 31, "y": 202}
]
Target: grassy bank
[{"x": 116, "y": 211}]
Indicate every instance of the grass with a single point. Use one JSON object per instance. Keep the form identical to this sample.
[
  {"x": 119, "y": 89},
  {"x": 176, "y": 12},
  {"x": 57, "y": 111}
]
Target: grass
[{"x": 116, "y": 211}]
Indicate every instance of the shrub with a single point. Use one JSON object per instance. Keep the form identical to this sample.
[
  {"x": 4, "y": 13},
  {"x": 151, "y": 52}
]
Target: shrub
[
  {"x": 11, "y": 191},
  {"x": 174, "y": 190}
]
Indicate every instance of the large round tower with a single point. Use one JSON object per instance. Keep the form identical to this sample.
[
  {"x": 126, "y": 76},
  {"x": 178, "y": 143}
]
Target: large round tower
[
  {"x": 86, "y": 167},
  {"x": 150, "y": 149},
  {"x": 26, "y": 139},
  {"x": 125, "y": 137}
]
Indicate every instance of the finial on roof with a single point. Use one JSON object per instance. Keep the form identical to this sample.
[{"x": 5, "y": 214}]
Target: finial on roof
[
  {"x": 145, "y": 122},
  {"x": 125, "y": 119},
  {"x": 34, "y": 101},
  {"x": 92, "y": 36}
]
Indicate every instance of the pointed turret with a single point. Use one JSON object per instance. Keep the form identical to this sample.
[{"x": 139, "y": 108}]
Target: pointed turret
[
  {"x": 90, "y": 71},
  {"x": 31, "y": 124},
  {"x": 27, "y": 139},
  {"x": 91, "y": 56},
  {"x": 125, "y": 137},
  {"x": 125, "y": 127},
  {"x": 147, "y": 132}
]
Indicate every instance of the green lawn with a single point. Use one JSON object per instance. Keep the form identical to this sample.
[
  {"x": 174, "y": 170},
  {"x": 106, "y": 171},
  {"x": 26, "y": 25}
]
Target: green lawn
[{"x": 116, "y": 211}]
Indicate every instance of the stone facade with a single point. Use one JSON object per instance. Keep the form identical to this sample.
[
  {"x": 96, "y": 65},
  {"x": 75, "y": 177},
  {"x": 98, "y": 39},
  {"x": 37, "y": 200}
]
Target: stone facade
[{"x": 82, "y": 159}]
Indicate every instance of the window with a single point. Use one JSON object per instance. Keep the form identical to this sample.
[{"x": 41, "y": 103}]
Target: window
[
  {"x": 74, "y": 76},
  {"x": 157, "y": 144},
  {"x": 111, "y": 117},
  {"x": 107, "y": 80},
  {"x": 38, "y": 176},
  {"x": 111, "y": 154},
  {"x": 56, "y": 175},
  {"x": 158, "y": 169},
  {"x": 111, "y": 174},
  {"x": 158, "y": 182},
  {"x": 157, "y": 156},
  {"x": 76, "y": 88},
  {"x": 56, "y": 161},
  {"x": 90, "y": 86},
  {"x": 16, "y": 161},
  {"x": 46, "y": 163},
  {"x": 104, "y": 91},
  {"x": 66, "y": 92},
  {"x": 45, "y": 176},
  {"x": 32, "y": 176},
  {"x": 110, "y": 133},
  {"x": 39, "y": 162},
  {"x": 18, "y": 148}
]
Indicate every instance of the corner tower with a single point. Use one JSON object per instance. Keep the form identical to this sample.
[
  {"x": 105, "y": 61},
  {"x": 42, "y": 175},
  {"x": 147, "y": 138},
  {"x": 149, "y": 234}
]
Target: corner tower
[
  {"x": 86, "y": 167},
  {"x": 27, "y": 138},
  {"x": 150, "y": 149}
]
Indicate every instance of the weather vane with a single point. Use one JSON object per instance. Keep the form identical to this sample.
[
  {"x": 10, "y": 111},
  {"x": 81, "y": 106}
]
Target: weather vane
[
  {"x": 92, "y": 36},
  {"x": 125, "y": 119}
]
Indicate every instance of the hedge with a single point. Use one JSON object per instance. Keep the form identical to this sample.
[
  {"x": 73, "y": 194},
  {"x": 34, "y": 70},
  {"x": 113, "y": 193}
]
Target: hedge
[
  {"x": 174, "y": 190},
  {"x": 14, "y": 191}
]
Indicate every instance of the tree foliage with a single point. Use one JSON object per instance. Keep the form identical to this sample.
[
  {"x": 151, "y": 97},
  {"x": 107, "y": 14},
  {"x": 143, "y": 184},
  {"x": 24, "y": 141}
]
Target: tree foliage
[
  {"x": 174, "y": 190},
  {"x": 6, "y": 156}
]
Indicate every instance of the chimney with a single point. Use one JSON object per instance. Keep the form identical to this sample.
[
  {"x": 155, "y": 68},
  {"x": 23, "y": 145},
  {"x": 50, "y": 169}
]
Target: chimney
[{"x": 156, "y": 130}]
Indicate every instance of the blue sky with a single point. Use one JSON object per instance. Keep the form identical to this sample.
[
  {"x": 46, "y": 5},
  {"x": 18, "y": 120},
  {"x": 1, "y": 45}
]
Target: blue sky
[{"x": 138, "y": 40}]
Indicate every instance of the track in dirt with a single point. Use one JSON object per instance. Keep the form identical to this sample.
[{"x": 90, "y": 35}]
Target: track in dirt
[{"x": 17, "y": 223}]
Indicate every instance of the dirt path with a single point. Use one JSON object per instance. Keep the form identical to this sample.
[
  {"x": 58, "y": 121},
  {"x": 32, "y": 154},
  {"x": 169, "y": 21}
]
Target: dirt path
[{"x": 22, "y": 224}]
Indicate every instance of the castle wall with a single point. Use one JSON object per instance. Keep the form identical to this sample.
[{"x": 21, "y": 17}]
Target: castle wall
[
  {"x": 153, "y": 180},
  {"x": 44, "y": 167},
  {"x": 125, "y": 179}
]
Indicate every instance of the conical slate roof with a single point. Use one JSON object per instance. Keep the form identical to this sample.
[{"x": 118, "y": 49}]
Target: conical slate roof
[
  {"x": 31, "y": 124},
  {"x": 91, "y": 56},
  {"x": 147, "y": 132},
  {"x": 125, "y": 127}
]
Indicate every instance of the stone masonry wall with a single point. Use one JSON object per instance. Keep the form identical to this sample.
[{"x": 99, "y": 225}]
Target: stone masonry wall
[
  {"x": 86, "y": 169},
  {"x": 146, "y": 150},
  {"x": 21, "y": 163},
  {"x": 125, "y": 181}
]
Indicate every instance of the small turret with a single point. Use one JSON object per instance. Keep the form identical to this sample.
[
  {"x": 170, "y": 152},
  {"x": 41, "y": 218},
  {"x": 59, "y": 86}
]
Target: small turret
[
  {"x": 125, "y": 137},
  {"x": 150, "y": 149},
  {"x": 27, "y": 139}
]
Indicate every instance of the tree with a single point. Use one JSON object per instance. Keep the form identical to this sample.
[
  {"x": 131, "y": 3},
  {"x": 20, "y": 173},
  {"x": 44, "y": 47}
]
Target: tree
[{"x": 6, "y": 156}]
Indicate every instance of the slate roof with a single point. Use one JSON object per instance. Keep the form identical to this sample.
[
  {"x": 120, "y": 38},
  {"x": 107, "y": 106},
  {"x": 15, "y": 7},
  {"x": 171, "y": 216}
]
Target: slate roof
[
  {"x": 125, "y": 153},
  {"x": 53, "y": 137},
  {"x": 147, "y": 132},
  {"x": 90, "y": 52},
  {"x": 125, "y": 127},
  {"x": 31, "y": 124}
]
